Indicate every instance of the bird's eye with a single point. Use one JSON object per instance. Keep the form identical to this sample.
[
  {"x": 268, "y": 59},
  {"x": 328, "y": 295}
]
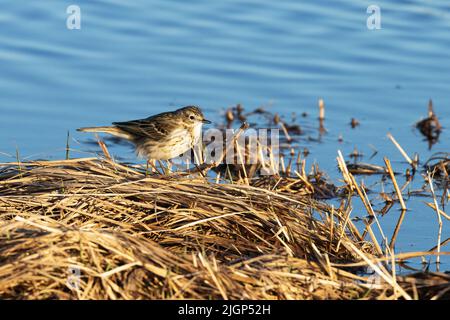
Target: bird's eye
[{"x": 192, "y": 117}]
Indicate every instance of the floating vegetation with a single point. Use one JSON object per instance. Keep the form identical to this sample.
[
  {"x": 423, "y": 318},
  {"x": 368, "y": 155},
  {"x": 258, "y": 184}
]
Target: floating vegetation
[
  {"x": 365, "y": 168},
  {"x": 430, "y": 127},
  {"x": 354, "y": 123},
  {"x": 439, "y": 164}
]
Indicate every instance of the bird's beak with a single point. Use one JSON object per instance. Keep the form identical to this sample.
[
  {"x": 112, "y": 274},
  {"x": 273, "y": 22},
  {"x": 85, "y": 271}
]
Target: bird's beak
[{"x": 206, "y": 121}]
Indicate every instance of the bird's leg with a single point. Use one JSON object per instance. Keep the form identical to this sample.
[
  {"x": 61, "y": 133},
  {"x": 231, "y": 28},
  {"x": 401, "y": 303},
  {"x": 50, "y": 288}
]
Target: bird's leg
[
  {"x": 169, "y": 166},
  {"x": 197, "y": 163},
  {"x": 166, "y": 170},
  {"x": 151, "y": 163},
  {"x": 197, "y": 155},
  {"x": 188, "y": 162}
]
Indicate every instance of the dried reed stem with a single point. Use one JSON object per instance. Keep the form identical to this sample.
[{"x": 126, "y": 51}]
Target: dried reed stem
[
  {"x": 399, "y": 147},
  {"x": 430, "y": 182},
  {"x": 394, "y": 181}
]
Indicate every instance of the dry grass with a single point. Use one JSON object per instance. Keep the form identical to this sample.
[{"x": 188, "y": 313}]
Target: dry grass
[{"x": 171, "y": 237}]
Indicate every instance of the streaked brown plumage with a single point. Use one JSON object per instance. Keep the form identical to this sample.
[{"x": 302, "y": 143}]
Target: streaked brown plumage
[{"x": 160, "y": 137}]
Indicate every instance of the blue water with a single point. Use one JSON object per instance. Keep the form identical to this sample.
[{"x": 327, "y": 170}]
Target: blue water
[{"x": 132, "y": 59}]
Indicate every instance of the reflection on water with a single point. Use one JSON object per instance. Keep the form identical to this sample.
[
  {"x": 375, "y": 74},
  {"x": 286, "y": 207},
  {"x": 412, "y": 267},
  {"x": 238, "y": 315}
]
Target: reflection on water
[{"x": 134, "y": 59}]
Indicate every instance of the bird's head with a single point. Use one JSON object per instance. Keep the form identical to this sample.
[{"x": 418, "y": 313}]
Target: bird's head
[{"x": 192, "y": 115}]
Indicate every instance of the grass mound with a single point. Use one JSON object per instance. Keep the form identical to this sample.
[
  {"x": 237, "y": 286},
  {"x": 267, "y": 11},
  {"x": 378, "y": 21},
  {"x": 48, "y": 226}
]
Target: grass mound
[{"x": 95, "y": 229}]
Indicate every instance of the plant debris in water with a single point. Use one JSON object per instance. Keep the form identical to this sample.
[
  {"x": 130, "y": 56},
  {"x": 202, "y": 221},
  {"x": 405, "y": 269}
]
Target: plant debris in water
[{"x": 430, "y": 127}]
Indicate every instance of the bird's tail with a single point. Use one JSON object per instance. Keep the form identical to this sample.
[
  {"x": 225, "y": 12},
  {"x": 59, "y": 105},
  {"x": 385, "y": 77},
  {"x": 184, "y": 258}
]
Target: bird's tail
[{"x": 111, "y": 130}]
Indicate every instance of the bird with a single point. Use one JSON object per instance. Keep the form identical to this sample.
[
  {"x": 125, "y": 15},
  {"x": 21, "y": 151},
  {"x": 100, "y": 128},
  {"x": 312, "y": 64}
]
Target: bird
[{"x": 163, "y": 136}]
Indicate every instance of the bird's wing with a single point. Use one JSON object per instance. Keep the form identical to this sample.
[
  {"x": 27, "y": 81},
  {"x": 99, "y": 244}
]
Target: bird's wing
[{"x": 155, "y": 127}]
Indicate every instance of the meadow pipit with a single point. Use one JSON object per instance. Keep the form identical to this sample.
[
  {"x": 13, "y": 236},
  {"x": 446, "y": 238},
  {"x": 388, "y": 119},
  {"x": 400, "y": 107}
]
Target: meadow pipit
[{"x": 160, "y": 137}]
